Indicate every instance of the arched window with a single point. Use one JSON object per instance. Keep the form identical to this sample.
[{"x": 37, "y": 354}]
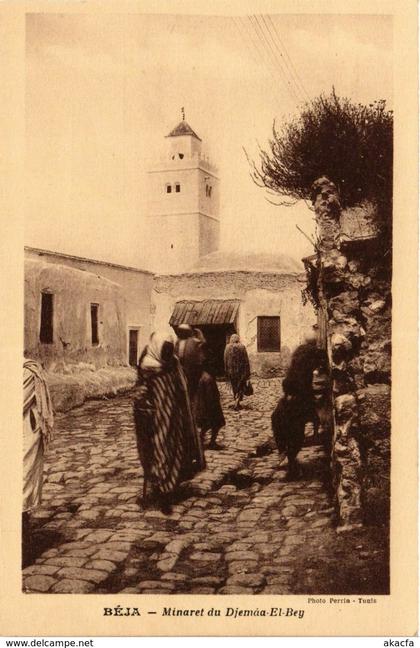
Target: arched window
[
  {"x": 168, "y": 188},
  {"x": 177, "y": 187}
]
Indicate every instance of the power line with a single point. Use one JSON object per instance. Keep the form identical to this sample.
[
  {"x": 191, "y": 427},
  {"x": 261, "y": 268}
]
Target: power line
[
  {"x": 292, "y": 66},
  {"x": 244, "y": 35},
  {"x": 260, "y": 52},
  {"x": 282, "y": 60},
  {"x": 278, "y": 63},
  {"x": 272, "y": 56}
]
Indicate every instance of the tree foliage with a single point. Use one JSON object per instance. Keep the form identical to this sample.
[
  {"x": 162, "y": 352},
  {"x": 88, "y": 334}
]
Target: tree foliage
[{"x": 351, "y": 144}]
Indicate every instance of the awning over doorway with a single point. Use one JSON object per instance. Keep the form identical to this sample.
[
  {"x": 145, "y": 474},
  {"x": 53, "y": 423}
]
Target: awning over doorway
[{"x": 210, "y": 311}]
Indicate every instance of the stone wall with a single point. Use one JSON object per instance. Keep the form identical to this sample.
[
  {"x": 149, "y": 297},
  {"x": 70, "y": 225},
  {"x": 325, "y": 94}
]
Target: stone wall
[
  {"x": 260, "y": 293},
  {"x": 354, "y": 294}
]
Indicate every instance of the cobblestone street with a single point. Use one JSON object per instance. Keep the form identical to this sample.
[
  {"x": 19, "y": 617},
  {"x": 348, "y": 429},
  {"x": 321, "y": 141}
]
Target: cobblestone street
[{"x": 238, "y": 527}]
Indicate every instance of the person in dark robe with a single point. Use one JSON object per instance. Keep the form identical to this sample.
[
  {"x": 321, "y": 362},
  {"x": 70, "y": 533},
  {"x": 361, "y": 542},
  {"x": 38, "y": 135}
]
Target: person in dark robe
[
  {"x": 237, "y": 368},
  {"x": 168, "y": 443},
  {"x": 297, "y": 406},
  {"x": 305, "y": 359},
  {"x": 208, "y": 409},
  {"x": 189, "y": 350},
  {"x": 288, "y": 424}
]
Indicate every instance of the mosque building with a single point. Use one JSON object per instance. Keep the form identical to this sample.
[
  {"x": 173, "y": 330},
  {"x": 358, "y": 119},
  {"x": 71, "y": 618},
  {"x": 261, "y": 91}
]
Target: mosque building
[
  {"x": 257, "y": 296},
  {"x": 87, "y": 313}
]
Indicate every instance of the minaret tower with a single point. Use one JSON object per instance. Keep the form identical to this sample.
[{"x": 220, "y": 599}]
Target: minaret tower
[{"x": 183, "y": 203}]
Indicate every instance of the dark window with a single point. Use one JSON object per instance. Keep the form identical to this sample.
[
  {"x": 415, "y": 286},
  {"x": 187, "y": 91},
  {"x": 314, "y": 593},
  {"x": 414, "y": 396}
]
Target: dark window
[
  {"x": 181, "y": 156},
  {"x": 94, "y": 309},
  {"x": 268, "y": 333},
  {"x": 168, "y": 188},
  {"x": 46, "y": 332},
  {"x": 133, "y": 342},
  {"x": 177, "y": 187}
]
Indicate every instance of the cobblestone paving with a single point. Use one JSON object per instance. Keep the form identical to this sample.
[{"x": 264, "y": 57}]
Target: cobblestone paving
[{"x": 238, "y": 528}]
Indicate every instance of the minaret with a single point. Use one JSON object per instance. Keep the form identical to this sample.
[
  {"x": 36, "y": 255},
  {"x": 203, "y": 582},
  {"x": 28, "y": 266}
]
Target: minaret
[{"x": 183, "y": 203}]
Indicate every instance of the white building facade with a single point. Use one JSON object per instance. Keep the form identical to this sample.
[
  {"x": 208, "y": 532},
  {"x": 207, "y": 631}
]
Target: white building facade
[
  {"x": 264, "y": 307},
  {"x": 257, "y": 296},
  {"x": 183, "y": 203}
]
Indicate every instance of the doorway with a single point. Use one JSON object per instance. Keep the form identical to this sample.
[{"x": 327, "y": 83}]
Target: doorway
[
  {"x": 133, "y": 346},
  {"x": 217, "y": 336}
]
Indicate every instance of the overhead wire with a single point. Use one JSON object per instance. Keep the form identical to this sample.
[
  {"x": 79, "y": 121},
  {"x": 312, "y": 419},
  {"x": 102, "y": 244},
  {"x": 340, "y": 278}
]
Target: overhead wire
[
  {"x": 281, "y": 58},
  {"x": 288, "y": 60},
  {"x": 273, "y": 57},
  {"x": 247, "y": 37}
]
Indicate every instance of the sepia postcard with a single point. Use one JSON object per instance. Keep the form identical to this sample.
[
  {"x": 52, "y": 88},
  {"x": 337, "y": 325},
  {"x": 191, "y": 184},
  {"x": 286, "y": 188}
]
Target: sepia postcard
[{"x": 209, "y": 264}]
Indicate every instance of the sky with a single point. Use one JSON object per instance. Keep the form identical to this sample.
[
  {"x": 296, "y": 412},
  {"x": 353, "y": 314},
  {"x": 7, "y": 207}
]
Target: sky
[{"x": 103, "y": 90}]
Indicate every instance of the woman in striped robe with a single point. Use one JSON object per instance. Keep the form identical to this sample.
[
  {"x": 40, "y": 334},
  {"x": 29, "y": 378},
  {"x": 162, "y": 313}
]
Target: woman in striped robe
[{"x": 169, "y": 446}]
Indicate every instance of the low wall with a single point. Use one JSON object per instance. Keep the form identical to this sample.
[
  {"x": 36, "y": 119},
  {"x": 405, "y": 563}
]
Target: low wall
[
  {"x": 73, "y": 388},
  {"x": 268, "y": 365}
]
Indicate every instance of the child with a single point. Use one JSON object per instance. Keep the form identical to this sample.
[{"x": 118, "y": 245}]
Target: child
[{"x": 208, "y": 409}]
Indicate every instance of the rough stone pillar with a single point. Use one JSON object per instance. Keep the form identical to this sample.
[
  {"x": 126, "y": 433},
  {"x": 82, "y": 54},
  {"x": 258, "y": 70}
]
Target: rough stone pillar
[{"x": 344, "y": 335}]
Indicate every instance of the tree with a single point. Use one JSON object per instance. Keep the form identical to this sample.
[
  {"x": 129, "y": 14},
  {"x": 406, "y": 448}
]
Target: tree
[{"x": 351, "y": 144}]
